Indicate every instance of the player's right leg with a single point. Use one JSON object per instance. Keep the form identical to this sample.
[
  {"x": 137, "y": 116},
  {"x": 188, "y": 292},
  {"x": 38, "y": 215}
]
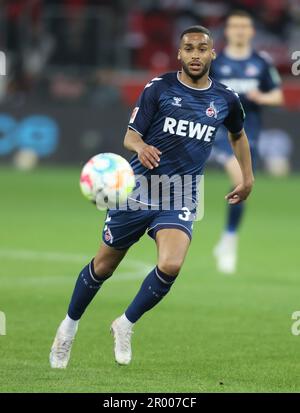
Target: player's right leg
[{"x": 89, "y": 282}]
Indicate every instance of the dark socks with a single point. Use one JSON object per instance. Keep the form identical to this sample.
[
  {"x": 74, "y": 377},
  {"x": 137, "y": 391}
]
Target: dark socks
[
  {"x": 234, "y": 217},
  {"x": 154, "y": 287},
  {"x": 86, "y": 287}
]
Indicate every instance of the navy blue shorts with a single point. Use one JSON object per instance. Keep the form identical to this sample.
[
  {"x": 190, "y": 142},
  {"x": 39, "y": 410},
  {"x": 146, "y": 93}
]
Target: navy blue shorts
[{"x": 123, "y": 228}]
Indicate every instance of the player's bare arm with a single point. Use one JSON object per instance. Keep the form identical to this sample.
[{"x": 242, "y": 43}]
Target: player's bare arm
[
  {"x": 273, "y": 98},
  {"x": 148, "y": 155},
  {"x": 241, "y": 149}
]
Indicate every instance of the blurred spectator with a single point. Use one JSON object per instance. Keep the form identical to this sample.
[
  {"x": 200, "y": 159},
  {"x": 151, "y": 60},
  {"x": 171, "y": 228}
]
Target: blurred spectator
[
  {"x": 71, "y": 35},
  {"x": 75, "y": 33},
  {"x": 153, "y": 29},
  {"x": 23, "y": 33}
]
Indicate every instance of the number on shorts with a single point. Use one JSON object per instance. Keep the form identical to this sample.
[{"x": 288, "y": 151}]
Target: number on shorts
[{"x": 185, "y": 214}]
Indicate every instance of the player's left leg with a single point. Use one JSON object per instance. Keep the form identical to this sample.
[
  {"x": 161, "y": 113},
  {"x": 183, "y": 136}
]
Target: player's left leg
[{"x": 172, "y": 245}]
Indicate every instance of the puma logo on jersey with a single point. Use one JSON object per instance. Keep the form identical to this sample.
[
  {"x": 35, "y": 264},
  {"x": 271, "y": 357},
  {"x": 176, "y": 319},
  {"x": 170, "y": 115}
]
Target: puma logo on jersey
[{"x": 188, "y": 129}]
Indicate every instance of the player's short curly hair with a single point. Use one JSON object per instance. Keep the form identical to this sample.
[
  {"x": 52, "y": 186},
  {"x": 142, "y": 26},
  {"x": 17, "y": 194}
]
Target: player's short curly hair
[{"x": 196, "y": 29}]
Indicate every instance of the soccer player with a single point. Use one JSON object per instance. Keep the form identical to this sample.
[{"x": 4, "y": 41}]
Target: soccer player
[
  {"x": 257, "y": 82},
  {"x": 171, "y": 132}
]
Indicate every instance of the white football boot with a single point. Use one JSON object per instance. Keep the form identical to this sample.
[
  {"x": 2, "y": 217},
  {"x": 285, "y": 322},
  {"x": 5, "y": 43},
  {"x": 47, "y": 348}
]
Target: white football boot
[
  {"x": 121, "y": 330},
  {"x": 62, "y": 345},
  {"x": 225, "y": 253}
]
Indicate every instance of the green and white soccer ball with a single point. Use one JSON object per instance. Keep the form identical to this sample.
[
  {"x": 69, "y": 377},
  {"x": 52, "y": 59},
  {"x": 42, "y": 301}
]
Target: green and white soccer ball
[{"x": 107, "y": 179}]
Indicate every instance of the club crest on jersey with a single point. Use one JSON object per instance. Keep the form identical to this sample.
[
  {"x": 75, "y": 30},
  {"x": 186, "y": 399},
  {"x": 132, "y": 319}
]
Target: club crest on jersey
[
  {"x": 108, "y": 235},
  {"x": 176, "y": 101},
  {"x": 212, "y": 111}
]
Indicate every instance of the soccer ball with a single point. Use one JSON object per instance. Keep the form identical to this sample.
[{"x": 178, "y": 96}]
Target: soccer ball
[{"x": 107, "y": 179}]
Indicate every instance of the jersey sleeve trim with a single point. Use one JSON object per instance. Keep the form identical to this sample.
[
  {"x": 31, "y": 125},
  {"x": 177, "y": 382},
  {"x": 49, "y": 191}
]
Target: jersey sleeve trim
[
  {"x": 146, "y": 107},
  {"x": 131, "y": 127}
]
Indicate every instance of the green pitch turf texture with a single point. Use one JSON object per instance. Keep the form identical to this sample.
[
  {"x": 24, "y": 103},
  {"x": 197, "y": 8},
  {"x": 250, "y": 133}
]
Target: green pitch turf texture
[{"x": 213, "y": 333}]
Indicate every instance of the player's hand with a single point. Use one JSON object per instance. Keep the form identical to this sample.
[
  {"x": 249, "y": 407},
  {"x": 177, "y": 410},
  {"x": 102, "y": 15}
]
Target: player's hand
[
  {"x": 149, "y": 156},
  {"x": 239, "y": 194}
]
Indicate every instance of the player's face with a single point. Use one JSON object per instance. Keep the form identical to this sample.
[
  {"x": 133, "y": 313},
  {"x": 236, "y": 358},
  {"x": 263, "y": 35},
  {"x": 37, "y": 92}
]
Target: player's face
[
  {"x": 239, "y": 30},
  {"x": 195, "y": 54}
]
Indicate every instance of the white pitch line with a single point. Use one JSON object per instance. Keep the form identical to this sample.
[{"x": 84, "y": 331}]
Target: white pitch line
[
  {"x": 43, "y": 255},
  {"x": 135, "y": 269},
  {"x": 66, "y": 279}
]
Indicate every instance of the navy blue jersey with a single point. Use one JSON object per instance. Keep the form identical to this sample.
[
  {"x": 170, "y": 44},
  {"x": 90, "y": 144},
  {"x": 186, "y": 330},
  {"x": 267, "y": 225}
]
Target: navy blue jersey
[
  {"x": 244, "y": 75},
  {"x": 181, "y": 122}
]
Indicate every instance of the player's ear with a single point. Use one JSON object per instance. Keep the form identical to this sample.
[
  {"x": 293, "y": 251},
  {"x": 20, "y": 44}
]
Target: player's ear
[
  {"x": 214, "y": 54},
  {"x": 179, "y": 54}
]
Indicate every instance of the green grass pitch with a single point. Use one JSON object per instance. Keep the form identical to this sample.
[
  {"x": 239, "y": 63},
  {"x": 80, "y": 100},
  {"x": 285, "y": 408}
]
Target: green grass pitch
[{"x": 213, "y": 333}]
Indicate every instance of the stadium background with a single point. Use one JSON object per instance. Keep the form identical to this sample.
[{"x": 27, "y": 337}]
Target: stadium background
[{"x": 74, "y": 69}]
